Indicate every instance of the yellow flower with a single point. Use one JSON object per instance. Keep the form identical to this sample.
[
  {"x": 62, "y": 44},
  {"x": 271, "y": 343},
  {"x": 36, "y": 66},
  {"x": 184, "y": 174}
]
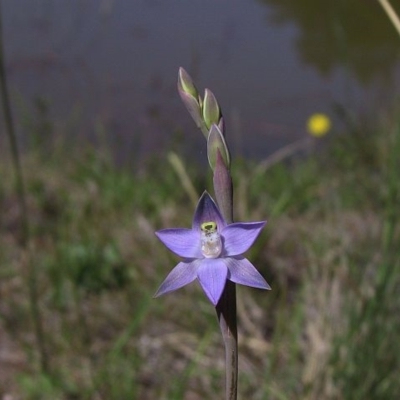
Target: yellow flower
[{"x": 318, "y": 125}]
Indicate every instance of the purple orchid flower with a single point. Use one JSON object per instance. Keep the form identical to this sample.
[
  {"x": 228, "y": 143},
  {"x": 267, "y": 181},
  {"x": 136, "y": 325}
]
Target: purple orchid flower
[{"x": 212, "y": 252}]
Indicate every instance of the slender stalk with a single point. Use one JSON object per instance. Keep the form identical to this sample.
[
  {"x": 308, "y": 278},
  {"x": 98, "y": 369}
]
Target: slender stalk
[
  {"x": 226, "y": 307},
  {"x": 180, "y": 170},
  {"x": 20, "y": 187},
  {"x": 281, "y": 154},
  {"x": 226, "y": 312},
  {"x": 391, "y": 13}
]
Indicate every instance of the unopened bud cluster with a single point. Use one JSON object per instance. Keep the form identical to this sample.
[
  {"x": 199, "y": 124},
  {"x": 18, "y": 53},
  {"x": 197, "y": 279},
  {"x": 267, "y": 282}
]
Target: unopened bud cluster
[{"x": 207, "y": 115}]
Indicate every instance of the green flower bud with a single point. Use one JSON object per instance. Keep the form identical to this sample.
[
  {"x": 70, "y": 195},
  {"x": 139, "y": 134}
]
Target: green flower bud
[
  {"x": 216, "y": 143},
  {"x": 191, "y": 99},
  {"x": 186, "y": 84},
  {"x": 211, "y": 111}
]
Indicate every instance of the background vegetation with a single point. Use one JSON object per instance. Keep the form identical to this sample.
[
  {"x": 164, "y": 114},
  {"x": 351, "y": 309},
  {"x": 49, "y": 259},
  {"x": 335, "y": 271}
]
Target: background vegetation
[{"x": 329, "y": 329}]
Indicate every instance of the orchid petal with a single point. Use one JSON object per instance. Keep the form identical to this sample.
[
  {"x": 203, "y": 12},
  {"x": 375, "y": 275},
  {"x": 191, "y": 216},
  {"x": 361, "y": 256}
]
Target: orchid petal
[
  {"x": 181, "y": 275},
  {"x": 207, "y": 211},
  {"x": 183, "y": 242},
  {"x": 239, "y": 236},
  {"x": 212, "y": 274},
  {"x": 242, "y": 271}
]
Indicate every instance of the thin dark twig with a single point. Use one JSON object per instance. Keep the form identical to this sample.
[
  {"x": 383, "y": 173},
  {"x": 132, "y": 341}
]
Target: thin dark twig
[{"x": 20, "y": 187}]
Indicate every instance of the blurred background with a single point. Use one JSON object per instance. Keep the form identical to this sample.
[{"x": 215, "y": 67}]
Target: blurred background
[
  {"x": 97, "y": 116},
  {"x": 106, "y": 70}
]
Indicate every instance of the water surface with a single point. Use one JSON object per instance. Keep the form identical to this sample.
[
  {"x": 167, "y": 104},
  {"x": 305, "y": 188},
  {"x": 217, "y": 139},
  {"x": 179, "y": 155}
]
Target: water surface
[{"x": 106, "y": 70}]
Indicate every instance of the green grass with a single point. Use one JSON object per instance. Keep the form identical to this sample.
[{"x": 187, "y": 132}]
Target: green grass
[{"x": 329, "y": 329}]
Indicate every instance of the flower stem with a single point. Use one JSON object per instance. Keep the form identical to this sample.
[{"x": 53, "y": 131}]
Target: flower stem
[
  {"x": 226, "y": 307},
  {"x": 391, "y": 13},
  {"x": 226, "y": 312}
]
